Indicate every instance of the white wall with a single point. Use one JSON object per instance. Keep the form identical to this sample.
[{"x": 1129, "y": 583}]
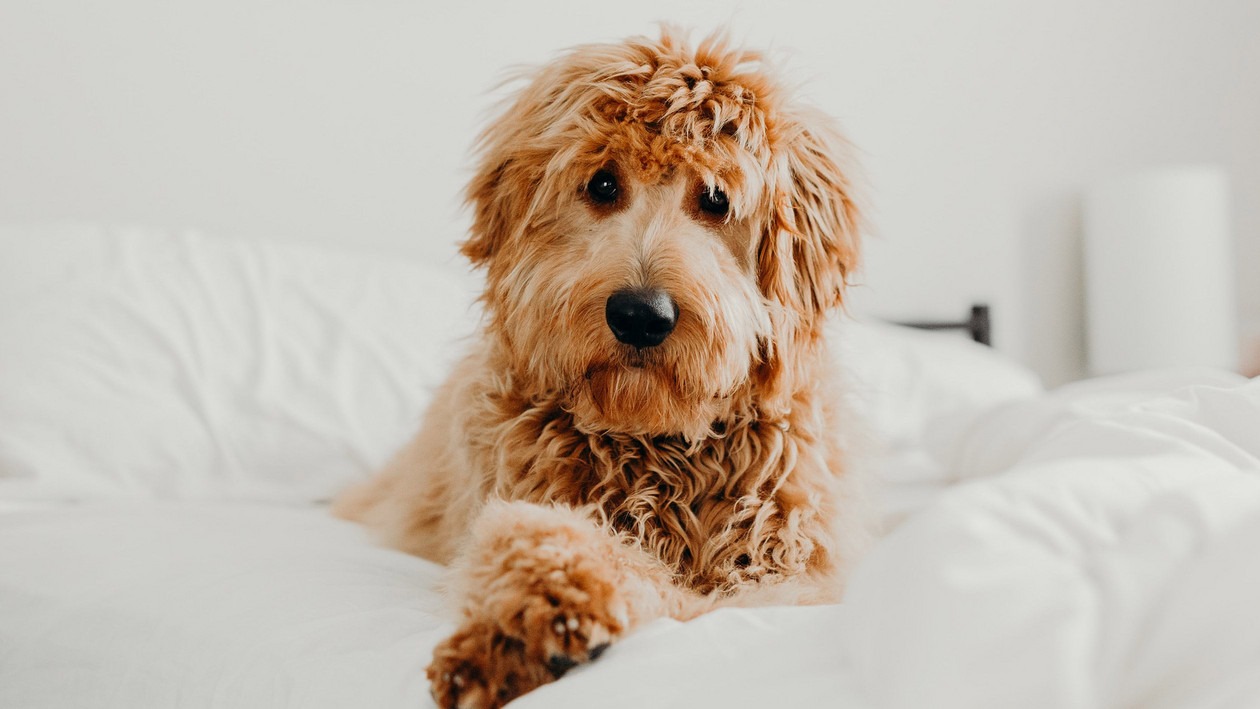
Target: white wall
[{"x": 348, "y": 121}]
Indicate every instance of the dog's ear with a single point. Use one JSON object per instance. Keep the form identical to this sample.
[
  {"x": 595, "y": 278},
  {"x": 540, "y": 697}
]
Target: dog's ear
[
  {"x": 810, "y": 246},
  {"x": 496, "y": 209},
  {"x": 510, "y": 168}
]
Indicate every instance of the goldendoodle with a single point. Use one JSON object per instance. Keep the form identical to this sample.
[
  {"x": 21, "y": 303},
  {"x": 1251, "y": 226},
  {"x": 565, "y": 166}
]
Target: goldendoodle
[{"x": 648, "y": 424}]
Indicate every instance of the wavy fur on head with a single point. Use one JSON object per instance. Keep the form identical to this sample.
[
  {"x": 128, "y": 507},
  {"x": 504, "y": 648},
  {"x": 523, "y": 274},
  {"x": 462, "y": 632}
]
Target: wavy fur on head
[{"x": 714, "y": 455}]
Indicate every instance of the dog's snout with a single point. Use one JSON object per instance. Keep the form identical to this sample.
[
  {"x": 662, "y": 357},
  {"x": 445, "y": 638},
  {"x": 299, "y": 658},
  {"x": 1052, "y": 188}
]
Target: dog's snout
[{"x": 642, "y": 317}]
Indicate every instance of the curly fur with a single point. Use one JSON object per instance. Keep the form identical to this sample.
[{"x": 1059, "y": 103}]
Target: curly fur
[{"x": 707, "y": 470}]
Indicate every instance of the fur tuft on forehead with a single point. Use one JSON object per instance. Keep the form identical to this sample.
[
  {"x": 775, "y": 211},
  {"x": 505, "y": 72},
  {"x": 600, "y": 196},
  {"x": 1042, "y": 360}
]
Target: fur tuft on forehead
[
  {"x": 691, "y": 98},
  {"x": 650, "y": 104}
]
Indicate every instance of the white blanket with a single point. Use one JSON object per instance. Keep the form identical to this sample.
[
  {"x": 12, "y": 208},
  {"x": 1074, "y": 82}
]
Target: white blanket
[
  {"x": 180, "y": 605},
  {"x": 1101, "y": 552},
  {"x": 1095, "y": 547}
]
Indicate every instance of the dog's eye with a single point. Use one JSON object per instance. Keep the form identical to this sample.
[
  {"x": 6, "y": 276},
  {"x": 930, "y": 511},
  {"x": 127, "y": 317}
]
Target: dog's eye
[
  {"x": 603, "y": 187},
  {"x": 714, "y": 202}
]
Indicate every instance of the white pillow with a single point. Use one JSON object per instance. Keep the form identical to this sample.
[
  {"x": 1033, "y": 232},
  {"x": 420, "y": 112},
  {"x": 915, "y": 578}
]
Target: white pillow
[
  {"x": 144, "y": 364},
  {"x": 902, "y": 378}
]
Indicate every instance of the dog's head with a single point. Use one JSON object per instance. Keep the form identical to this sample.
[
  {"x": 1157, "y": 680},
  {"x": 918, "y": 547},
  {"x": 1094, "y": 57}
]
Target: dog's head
[{"x": 663, "y": 233}]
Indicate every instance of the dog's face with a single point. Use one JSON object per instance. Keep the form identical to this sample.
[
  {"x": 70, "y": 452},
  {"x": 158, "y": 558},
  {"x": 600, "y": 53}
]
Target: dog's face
[{"x": 662, "y": 235}]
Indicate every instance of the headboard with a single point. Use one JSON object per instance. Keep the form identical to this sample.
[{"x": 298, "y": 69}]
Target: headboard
[{"x": 978, "y": 326}]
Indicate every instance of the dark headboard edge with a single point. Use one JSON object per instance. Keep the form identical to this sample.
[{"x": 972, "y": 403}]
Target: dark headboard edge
[{"x": 978, "y": 326}]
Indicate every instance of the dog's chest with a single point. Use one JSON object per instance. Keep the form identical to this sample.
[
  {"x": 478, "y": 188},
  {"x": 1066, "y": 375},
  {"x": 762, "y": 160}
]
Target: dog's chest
[{"x": 712, "y": 512}]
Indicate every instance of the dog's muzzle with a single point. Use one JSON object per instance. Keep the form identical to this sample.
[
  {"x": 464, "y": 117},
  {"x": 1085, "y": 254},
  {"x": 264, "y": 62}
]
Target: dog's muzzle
[{"x": 641, "y": 317}]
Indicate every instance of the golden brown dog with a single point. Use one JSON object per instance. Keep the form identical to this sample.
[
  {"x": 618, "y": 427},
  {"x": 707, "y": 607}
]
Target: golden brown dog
[{"x": 647, "y": 425}]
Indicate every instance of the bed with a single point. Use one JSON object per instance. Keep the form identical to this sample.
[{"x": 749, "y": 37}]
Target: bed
[{"x": 176, "y": 410}]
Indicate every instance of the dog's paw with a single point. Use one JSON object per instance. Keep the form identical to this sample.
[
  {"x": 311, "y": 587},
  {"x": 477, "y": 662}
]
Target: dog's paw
[
  {"x": 563, "y": 635},
  {"x": 550, "y": 613},
  {"x": 566, "y": 614},
  {"x": 543, "y": 592},
  {"x": 481, "y": 668}
]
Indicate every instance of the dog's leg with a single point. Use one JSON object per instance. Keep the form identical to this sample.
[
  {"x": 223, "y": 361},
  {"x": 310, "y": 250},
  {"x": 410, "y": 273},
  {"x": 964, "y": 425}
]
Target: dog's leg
[{"x": 542, "y": 589}]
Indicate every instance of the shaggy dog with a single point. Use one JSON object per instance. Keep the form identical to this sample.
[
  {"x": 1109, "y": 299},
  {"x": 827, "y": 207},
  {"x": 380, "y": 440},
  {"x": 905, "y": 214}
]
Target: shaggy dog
[{"x": 647, "y": 425}]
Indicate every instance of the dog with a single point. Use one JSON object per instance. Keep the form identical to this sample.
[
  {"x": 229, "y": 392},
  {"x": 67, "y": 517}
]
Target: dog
[{"x": 648, "y": 424}]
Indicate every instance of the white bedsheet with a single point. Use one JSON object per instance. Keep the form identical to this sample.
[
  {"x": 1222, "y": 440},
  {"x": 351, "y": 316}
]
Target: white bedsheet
[
  {"x": 1100, "y": 551},
  {"x": 181, "y": 605},
  {"x": 1096, "y": 547}
]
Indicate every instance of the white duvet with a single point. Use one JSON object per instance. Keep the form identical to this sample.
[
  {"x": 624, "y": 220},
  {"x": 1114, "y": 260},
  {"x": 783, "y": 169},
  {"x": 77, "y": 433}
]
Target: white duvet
[
  {"x": 174, "y": 407},
  {"x": 1099, "y": 549},
  {"x": 1095, "y": 547}
]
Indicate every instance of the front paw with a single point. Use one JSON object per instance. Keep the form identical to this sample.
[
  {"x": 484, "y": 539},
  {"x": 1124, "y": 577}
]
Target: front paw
[
  {"x": 535, "y": 624},
  {"x": 481, "y": 668},
  {"x": 543, "y": 590},
  {"x": 565, "y": 608},
  {"x": 565, "y": 633}
]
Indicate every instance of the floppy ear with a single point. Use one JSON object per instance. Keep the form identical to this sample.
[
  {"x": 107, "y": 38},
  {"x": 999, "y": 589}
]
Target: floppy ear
[
  {"x": 811, "y": 243},
  {"x": 522, "y": 152},
  {"x": 510, "y": 168},
  {"x": 809, "y": 249},
  {"x": 498, "y": 202}
]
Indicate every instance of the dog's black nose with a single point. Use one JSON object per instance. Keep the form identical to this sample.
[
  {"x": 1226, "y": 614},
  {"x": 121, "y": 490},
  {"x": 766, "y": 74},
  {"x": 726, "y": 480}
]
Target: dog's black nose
[{"x": 642, "y": 317}]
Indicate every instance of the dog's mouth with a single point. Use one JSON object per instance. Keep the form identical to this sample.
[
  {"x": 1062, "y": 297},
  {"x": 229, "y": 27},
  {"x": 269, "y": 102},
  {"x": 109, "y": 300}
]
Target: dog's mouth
[
  {"x": 636, "y": 359},
  {"x": 635, "y": 395},
  {"x": 627, "y": 357},
  {"x": 630, "y": 370},
  {"x": 629, "y": 364}
]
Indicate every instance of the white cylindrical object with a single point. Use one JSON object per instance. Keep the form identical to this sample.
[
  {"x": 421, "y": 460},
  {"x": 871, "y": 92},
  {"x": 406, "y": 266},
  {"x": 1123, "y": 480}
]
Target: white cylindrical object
[{"x": 1159, "y": 262}]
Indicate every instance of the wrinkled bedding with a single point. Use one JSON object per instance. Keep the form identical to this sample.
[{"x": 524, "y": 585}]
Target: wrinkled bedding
[
  {"x": 174, "y": 408},
  {"x": 1092, "y": 547},
  {"x": 1095, "y": 547},
  {"x": 187, "y": 605}
]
